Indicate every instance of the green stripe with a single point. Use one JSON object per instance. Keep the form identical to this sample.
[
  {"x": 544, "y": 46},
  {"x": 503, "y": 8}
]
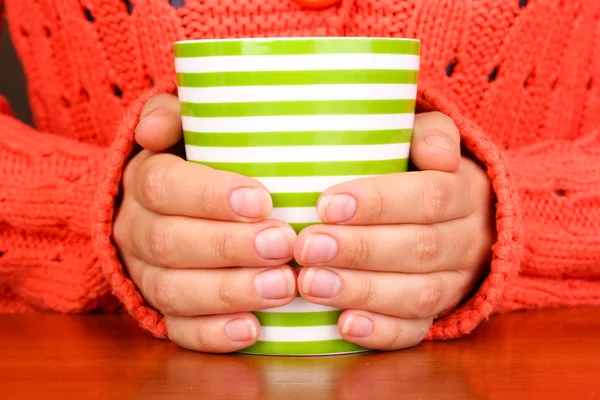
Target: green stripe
[
  {"x": 279, "y": 108},
  {"x": 298, "y": 226},
  {"x": 322, "y": 318},
  {"x": 317, "y": 138},
  {"x": 336, "y": 168},
  {"x": 295, "y": 199},
  {"x": 290, "y": 47},
  {"x": 268, "y": 78},
  {"x": 303, "y": 348}
]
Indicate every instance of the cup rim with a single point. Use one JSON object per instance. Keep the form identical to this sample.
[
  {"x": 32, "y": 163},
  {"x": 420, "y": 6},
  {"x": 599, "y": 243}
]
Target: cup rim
[{"x": 293, "y": 38}]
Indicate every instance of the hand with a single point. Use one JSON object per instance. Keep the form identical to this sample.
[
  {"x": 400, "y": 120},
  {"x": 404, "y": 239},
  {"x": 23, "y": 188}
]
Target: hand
[
  {"x": 182, "y": 225},
  {"x": 399, "y": 250}
]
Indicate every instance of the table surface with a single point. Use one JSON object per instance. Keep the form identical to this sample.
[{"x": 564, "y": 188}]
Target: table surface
[{"x": 545, "y": 354}]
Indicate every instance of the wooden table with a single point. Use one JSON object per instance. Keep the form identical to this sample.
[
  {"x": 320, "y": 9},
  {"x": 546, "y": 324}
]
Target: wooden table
[{"x": 545, "y": 355}]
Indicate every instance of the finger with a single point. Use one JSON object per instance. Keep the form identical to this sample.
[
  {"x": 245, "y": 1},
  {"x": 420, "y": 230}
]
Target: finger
[
  {"x": 183, "y": 242},
  {"x": 382, "y": 332},
  {"x": 160, "y": 123},
  {"x": 411, "y": 296},
  {"x": 215, "y": 333},
  {"x": 436, "y": 143},
  {"x": 207, "y": 292},
  {"x": 409, "y": 248},
  {"x": 414, "y": 197},
  {"x": 167, "y": 184}
]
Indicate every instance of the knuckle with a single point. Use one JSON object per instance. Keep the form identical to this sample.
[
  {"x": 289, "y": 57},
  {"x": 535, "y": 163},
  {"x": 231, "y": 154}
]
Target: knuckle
[
  {"x": 163, "y": 291},
  {"x": 378, "y": 207},
  {"x": 208, "y": 198},
  {"x": 362, "y": 252},
  {"x": 427, "y": 245},
  {"x": 226, "y": 293},
  {"x": 430, "y": 297},
  {"x": 223, "y": 246},
  {"x": 436, "y": 199},
  {"x": 154, "y": 186},
  {"x": 160, "y": 242},
  {"x": 202, "y": 337},
  {"x": 129, "y": 175},
  {"x": 366, "y": 294},
  {"x": 400, "y": 337},
  {"x": 132, "y": 169}
]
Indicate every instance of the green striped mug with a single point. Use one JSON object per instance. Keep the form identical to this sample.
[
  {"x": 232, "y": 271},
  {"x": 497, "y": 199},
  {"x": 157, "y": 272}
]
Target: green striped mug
[{"x": 299, "y": 115}]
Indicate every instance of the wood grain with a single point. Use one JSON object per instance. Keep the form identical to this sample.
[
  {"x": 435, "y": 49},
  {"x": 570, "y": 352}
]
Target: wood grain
[{"x": 545, "y": 355}]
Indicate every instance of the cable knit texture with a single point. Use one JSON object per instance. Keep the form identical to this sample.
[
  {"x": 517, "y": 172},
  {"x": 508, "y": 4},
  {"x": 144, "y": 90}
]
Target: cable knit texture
[{"x": 520, "y": 78}]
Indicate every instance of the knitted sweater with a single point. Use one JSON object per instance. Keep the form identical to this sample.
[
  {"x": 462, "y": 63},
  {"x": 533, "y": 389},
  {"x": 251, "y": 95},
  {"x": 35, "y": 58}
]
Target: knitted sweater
[{"x": 520, "y": 78}]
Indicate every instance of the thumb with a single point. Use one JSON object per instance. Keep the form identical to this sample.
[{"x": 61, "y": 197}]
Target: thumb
[
  {"x": 160, "y": 123},
  {"x": 435, "y": 143}
]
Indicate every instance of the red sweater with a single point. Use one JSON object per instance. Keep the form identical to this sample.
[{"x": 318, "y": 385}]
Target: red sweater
[{"x": 520, "y": 78}]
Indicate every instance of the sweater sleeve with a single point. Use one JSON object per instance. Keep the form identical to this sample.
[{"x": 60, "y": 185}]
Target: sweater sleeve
[
  {"x": 547, "y": 222},
  {"x": 559, "y": 192},
  {"x": 57, "y": 199},
  {"x": 106, "y": 204}
]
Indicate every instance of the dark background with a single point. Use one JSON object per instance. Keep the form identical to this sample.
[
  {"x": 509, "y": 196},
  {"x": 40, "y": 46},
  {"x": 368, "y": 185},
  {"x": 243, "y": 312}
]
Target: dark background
[{"x": 12, "y": 79}]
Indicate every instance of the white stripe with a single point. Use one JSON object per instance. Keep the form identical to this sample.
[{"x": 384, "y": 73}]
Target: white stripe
[
  {"x": 298, "y": 333},
  {"x": 298, "y": 153},
  {"x": 300, "y": 305},
  {"x": 240, "y": 94},
  {"x": 296, "y": 214},
  {"x": 305, "y": 184},
  {"x": 299, "y": 123},
  {"x": 298, "y": 62}
]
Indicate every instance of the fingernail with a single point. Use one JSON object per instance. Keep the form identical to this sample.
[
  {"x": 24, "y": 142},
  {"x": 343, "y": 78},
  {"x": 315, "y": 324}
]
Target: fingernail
[
  {"x": 318, "y": 248},
  {"x": 158, "y": 112},
  {"x": 443, "y": 142},
  {"x": 275, "y": 243},
  {"x": 336, "y": 208},
  {"x": 357, "y": 326},
  {"x": 321, "y": 283},
  {"x": 240, "y": 330},
  {"x": 250, "y": 202},
  {"x": 274, "y": 284}
]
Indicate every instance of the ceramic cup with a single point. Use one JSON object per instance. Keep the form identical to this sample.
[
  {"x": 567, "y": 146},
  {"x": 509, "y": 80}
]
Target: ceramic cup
[{"x": 299, "y": 115}]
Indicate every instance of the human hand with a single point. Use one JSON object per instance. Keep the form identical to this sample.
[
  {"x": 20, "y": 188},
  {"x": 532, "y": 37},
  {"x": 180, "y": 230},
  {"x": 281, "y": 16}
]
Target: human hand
[
  {"x": 180, "y": 229},
  {"x": 399, "y": 250}
]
